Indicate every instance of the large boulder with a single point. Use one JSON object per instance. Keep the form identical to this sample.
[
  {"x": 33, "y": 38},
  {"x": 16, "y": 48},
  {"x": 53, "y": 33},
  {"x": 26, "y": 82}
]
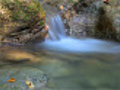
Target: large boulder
[
  {"x": 94, "y": 18},
  {"x": 106, "y": 22},
  {"x": 21, "y": 21}
]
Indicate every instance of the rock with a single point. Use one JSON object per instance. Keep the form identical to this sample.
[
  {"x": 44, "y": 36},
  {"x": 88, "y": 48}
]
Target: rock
[
  {"x": 21, "y": 76},
  {"x": 104, "y": 27},
  {"x": 107, "y": 20},
  {"x": 90, "y": 22},
  {"x": 19, "y": 19}
]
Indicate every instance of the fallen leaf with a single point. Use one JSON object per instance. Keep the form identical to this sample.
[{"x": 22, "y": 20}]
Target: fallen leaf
[
  {"x": 29, "y": 84},
  {"x": 11, "y": 80},
  {"x": 61, "y": 7}
]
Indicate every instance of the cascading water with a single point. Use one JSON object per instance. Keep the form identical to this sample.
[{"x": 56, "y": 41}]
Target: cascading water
[
  {"x": 57, "y": 30},
  {"x": 59, "y": 41}
]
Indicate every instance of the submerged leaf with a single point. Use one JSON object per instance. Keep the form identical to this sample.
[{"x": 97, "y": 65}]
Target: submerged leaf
[
  {"x": 29, "y": 84},
  {"x": 11, "y": 80}
]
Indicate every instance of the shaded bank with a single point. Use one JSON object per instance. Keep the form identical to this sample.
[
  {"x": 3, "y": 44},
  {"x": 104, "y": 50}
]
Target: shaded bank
[{"x": 104, "y": 27}]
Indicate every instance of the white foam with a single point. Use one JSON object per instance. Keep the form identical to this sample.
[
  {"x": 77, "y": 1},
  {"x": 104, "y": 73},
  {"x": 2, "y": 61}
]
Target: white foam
[{"x": 80, "y": 45}]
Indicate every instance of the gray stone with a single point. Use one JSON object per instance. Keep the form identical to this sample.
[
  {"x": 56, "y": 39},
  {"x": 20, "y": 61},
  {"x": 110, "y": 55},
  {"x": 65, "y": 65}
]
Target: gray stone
[{"x": 21, "y": 75}]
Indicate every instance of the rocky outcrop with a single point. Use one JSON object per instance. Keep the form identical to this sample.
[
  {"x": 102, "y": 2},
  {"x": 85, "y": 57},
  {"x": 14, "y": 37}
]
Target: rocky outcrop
[
  {"x": 89, "y": 18},
  {"x": 106, "y": 23},
  {"x": 76, "y": 19},
  {"x": 94, "y": 18},
  {"x": 21, "y": 21}
]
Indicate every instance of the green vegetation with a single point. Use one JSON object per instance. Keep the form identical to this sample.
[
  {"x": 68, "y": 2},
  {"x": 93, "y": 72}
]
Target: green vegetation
[{"x": 15, "y": 13}]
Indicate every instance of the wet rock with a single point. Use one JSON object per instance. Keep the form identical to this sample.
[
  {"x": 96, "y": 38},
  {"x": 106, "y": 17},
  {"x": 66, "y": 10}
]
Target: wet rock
[{"x": 21, "y": 76}]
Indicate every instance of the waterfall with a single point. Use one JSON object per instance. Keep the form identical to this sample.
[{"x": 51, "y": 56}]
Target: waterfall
[
  {"x": 57, "y": 29},
  {"x": 59, "y": 41}
]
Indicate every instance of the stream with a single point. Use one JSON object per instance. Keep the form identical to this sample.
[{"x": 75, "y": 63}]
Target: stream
[{"x": 70, "y": 63}]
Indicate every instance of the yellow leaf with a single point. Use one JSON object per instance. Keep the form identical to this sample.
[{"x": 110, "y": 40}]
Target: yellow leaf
[{"x": 61, "y": 7}]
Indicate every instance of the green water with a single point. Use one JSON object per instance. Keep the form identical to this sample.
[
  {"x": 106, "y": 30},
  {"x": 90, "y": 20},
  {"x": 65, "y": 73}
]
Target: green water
[{"x": 74, "y": 71}]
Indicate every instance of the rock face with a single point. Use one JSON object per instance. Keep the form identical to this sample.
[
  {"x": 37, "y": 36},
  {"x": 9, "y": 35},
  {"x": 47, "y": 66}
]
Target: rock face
[
  {"x": 94, "y": 18},
  {"x": 77, "y": 21},
  {"x": 104, "y": 27},
  {"x": 21, "y": 21},
  {"x": 22, "y": 77},
  {"x": 106, "y": 22}
]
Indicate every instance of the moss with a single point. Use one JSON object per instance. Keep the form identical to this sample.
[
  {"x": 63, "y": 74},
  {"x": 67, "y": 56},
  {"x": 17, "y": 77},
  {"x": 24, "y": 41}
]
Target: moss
[
  {"x": 22, "y": 10},
  {"x": 24, "y": 13}
]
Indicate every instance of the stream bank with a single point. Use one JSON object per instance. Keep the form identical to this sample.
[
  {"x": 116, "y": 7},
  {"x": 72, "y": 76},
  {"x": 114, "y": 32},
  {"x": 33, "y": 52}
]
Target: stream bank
[{"x": 22, "y": 21}]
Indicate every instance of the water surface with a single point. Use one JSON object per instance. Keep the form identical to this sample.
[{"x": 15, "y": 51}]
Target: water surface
[{"x": 69, "y": 63}]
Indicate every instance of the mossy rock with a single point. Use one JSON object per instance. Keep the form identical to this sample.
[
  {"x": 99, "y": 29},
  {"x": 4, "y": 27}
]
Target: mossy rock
[{"x": 16, "y": 14}]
